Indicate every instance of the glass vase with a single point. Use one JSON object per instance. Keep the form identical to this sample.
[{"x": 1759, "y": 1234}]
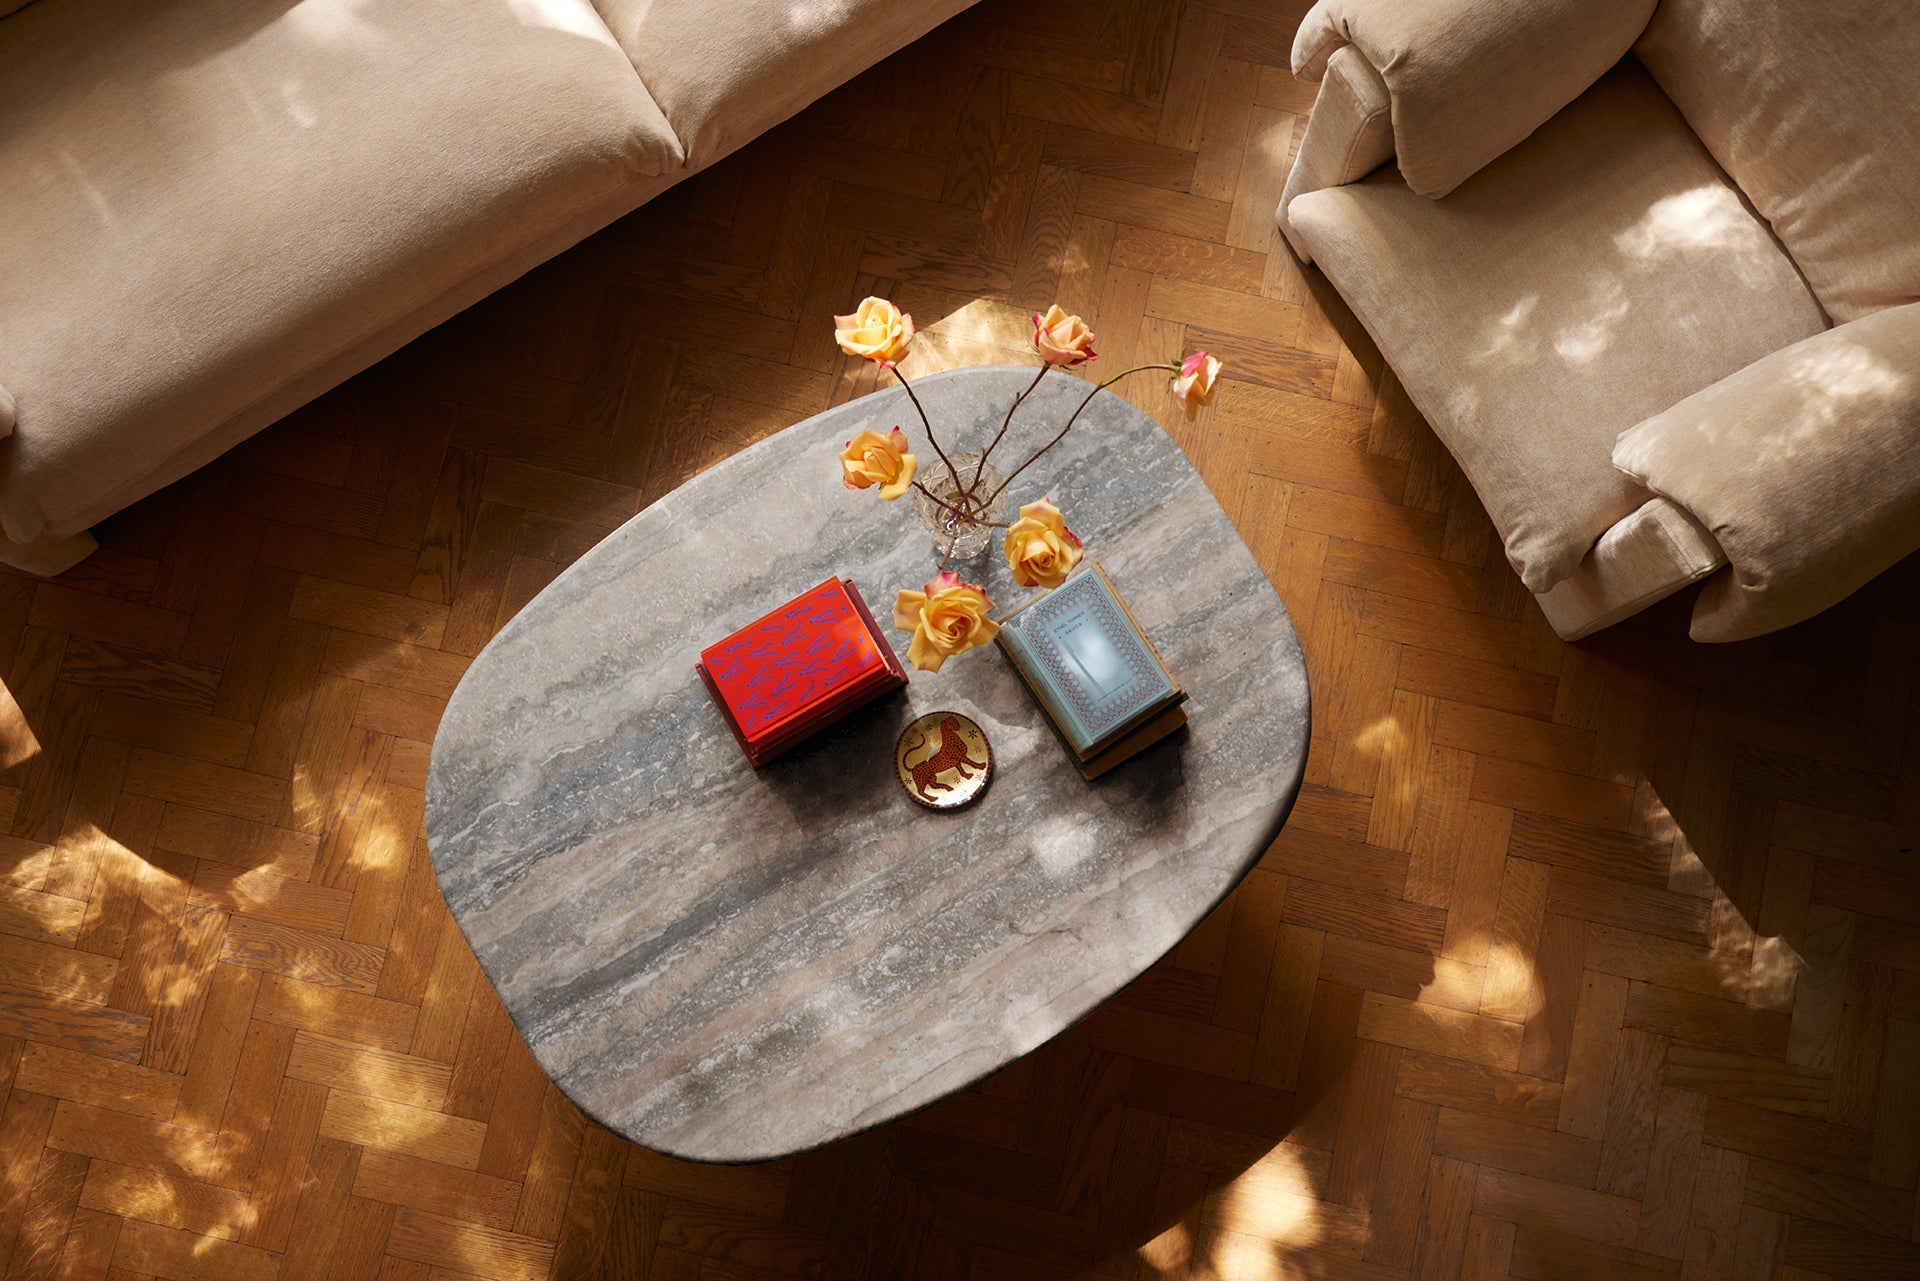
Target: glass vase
[{"x": 958, "y": 517}]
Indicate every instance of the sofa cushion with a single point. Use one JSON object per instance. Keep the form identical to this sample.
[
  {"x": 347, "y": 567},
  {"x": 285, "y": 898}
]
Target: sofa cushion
[
  {"x": 1646, "y": 557},
  {"x": 1589, "y": 278},
  {"x": 1470, "y": 78},
  {"x": 206, "y": 202},
  {"x": 1813, "y": 106},
  {"x": 1805, "y": 466},
  {"x": 725, "y": 75},
  {"x": 1348, "y": 136}
]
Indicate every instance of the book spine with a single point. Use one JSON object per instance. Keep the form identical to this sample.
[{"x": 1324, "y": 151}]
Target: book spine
[{"x": 1131, "y": 746}]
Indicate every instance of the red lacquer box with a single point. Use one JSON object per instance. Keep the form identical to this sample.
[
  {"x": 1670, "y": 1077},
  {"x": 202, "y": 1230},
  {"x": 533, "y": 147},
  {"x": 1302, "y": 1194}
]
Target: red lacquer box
[{"x": 799, "y": 669}]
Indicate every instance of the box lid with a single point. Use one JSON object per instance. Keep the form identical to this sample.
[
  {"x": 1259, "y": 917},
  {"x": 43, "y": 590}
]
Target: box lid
[{"x": 804, "y": 658}]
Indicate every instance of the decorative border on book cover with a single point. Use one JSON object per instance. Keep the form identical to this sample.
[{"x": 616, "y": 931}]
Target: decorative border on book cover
[{"x": 1144, "y": 673}]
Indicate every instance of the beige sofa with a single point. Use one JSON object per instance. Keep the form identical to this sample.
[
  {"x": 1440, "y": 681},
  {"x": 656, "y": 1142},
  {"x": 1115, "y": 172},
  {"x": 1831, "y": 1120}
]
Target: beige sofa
[
  {"x": 1652, "y": 273},
  {"x": 213, "y": 210}
]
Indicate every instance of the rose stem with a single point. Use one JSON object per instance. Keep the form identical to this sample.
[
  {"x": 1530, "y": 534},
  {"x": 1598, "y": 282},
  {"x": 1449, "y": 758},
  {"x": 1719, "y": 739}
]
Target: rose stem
[
  {"x": 969, "y": 517},
  {"x": 1004, "y": 423},
  {"x": 988, "y": 501},
  {"x": 928, "y": 424}
]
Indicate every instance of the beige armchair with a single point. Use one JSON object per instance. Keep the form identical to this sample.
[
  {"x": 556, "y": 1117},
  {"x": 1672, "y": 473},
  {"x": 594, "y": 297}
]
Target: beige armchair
[{"x": 1652, "y": 275}]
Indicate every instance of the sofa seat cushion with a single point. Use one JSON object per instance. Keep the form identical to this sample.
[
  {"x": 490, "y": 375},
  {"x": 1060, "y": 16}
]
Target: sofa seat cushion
[
  {"x": 726, "y": 74},
  {"x": 1597, "y": 273},
  {"x": 205, "y": 202},
  {"x": 1813, "y": 106}
]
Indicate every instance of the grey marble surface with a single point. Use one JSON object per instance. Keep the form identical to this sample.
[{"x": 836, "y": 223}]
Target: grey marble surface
[{"x": 726, "y": 964}]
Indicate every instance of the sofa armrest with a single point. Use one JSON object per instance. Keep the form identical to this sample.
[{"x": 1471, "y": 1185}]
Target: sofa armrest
[
  {"x": 1349, "y": 134},
  {"x": 1470, "y": 78},
  {"x": 6, "y": 413},
  {"x": 1805, "y": 467}
]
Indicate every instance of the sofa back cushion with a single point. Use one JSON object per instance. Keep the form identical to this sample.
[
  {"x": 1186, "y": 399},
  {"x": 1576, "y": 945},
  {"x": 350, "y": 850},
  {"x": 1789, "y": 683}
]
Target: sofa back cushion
[
  {"x": 1811, "y": 107},
  {"x": 1470, "y": 79},
  {"x": 725, "y": 74}
]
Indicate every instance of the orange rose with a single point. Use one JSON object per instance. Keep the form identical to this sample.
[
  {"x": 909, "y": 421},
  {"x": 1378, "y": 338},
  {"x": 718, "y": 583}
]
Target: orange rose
[
  {"x": 1193, "y": 387},
  {"x": 948, "y": 618},
  {"x": 877, "y": 331},
  {"x": 1041, "y": 550},
  {"x": 1062, "y": 339},
  {"x": 873, "y": 459}
]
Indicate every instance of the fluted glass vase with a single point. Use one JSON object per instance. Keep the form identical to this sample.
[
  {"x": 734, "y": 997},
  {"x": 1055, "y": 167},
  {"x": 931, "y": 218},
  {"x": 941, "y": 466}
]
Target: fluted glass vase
[{"x": 959, "y": 517}]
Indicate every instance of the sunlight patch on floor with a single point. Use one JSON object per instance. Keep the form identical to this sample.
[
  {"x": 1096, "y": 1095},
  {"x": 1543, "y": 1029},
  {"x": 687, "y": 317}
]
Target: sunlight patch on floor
[
  {"x": 17, "y": 743},
  {"x": 305, "y": 799},
  {"x": 1509, "y": 990},
  {"x": 979, "y": 332},
  {"x": 1273, "y": 1198},
  {"x": 1167, "y": 1254}
]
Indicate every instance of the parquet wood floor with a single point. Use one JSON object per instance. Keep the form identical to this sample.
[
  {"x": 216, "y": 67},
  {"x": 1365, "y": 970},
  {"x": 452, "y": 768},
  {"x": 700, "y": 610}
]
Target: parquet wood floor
[{"x": 1598, "y": 960}]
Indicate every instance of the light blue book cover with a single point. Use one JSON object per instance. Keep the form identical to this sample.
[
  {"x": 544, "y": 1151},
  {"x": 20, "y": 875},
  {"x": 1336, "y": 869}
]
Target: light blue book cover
[{"x": 1079, "y": 649}]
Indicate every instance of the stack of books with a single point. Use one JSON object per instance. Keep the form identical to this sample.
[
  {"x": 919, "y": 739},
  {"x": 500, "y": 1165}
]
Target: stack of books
[
  {"x": 1094, "y": 672},
  {"x": 796, "y": 671}
]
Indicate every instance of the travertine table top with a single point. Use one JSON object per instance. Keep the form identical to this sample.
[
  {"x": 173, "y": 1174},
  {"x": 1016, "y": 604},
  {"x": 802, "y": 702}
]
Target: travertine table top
[{"x": 726, "y": 964}]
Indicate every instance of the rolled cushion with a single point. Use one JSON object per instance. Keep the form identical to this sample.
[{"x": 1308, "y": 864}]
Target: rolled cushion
[
  {"x": 206, "y": 203},
  {"x": 1813, "y": 106},
  {"x": 1805, "y": 467},
  {"x": 1470, "y": 78},
  {"x": 725, "y": 74},
  {"x": 1648, "y": 556},
  {"x": 1349, "y": 134},
  {"x": 1588, "y": 279}
]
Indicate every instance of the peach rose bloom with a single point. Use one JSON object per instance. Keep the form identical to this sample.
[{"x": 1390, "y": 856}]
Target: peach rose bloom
[
  {"x": 948, "y": 618},
  {"x": 873, "y": 459},
  {"x": 1041, "y": 550},
  {"x": 877, "y": 331},
  {"x": 1194, "y": 385},
  {"x": 1062, "y": 339}
]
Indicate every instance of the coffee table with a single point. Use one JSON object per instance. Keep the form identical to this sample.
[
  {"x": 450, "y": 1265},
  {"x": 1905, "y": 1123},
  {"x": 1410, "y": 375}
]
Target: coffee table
[{"x": 725, "y": 964}]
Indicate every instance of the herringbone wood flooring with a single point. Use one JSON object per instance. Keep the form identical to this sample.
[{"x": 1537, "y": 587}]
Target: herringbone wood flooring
[{"x": 1575, "y": 961}]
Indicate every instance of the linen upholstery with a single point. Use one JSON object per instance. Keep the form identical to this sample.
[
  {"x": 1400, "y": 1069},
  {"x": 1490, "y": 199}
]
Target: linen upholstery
[
  {"x": 725, "y": 75},
  {"x": 1805, "y": 466},
  {"x": 208, "y": 203},
  {"x": 1470, "y": 78},
  {"x": 1813, "y": 107},
  {"x": 48, "y": 554},
  {"x": 51, "y": 555},
  {"x": 1534, "y": 314},
  {"x": 1349, "y": 134},
  {"x": 1648, "y": 556}
]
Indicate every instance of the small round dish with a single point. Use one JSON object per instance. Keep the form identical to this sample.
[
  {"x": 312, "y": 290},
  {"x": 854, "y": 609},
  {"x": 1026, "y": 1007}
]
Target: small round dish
[{"x": 943, "y": 761}]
